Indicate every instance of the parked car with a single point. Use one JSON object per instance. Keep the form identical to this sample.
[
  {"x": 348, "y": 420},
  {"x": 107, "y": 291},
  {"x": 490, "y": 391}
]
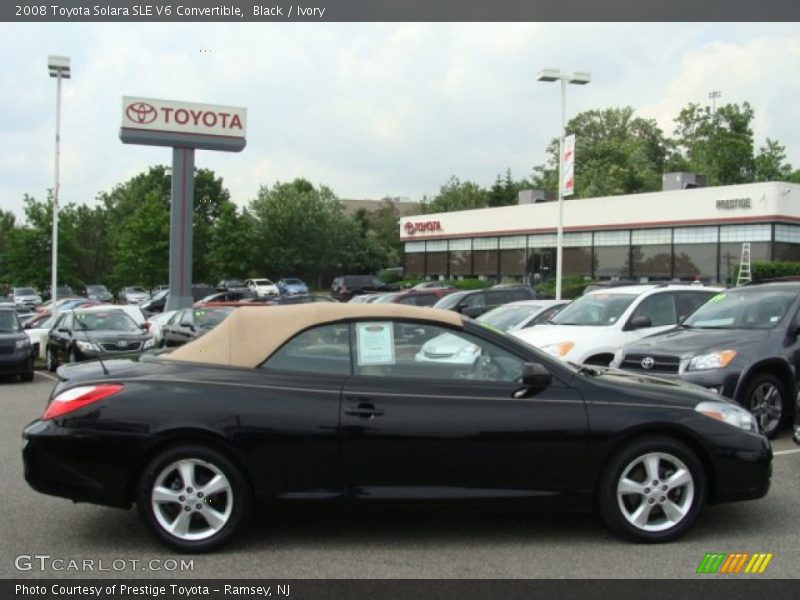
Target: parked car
[
  {"x": 62, "y": 291},
  {"x": 343, "y": 288},
  {"x": 516, "y": 316},
  {"x": 88, "y": 333},
  {"x": 155, "y": 324},
  {"x": 292, "y": 286},
  {"x": 742, "y": 344},
  {"x": 474, "y": 303},
  {"x": 191, "y": 323},
  {"x": 16, "y": 352},
  {"x": 229, "y": 296},
  {"x": 98, "y": 292},
  {"x": 367, "y": 298},
  {"x": 157, "y": 303},
  {"x": 300, "y": 299},
  {"x": 433, "y": 285},
  {"x": 262, "y": 288},
  {"x": 287, "y": 403},
  {"x": 593, "y": 327},
  {"x": 412, "y": 297},
  {"x": 133, "y": 294},
  {"x": 37, "y": 330},
  {"x": 7, "y": 302},
  {"x": 231, "y": 285},
  {"x": 25, "y": 297}
]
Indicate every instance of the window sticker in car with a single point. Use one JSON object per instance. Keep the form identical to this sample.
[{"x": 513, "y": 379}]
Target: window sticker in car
[
  {"x": 717, "y": 298},
  {"x": 375, "y": 343}
]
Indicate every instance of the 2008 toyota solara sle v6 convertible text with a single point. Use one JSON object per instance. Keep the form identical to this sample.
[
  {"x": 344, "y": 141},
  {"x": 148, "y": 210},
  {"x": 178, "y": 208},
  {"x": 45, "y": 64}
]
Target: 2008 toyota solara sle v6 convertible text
[{"x": 340, "y": 402}]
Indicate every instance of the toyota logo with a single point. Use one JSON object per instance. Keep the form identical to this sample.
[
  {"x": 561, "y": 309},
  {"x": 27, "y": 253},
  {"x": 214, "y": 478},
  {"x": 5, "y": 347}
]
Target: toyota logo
[
  {"x": 648, "y": 362},
  {"x": 123, "y": 344},
  {"x": 141, "y": 113},
  {"x": 409, "y": 227}
]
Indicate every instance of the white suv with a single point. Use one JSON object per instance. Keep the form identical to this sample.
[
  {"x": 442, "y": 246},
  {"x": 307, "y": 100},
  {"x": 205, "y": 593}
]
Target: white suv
[{"x": 595, "y": 326}]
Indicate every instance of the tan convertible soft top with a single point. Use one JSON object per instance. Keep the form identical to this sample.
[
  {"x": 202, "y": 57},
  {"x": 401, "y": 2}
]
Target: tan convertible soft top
[{"x": 251, "y": 334}]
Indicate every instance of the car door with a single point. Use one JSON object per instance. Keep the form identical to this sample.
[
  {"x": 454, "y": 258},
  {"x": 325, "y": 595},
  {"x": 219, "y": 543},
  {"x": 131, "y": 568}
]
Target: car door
[
  {"x": 60, "y": 337},
  {"x": 660, "y": 313},
  {"x": 433, "y": 412}
]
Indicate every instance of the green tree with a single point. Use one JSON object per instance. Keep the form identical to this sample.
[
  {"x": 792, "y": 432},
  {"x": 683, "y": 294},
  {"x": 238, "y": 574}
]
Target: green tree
[
  {"x": 770, "y": 163},
  {"x": 505, "y": 191},
  {"x": 615, "y": 153},
  {"x": 141, "y": 255},
  {"x": 457, "y": 195},
  {"x": 718, "y": 144},
  {"x": 229, "y": 245}
]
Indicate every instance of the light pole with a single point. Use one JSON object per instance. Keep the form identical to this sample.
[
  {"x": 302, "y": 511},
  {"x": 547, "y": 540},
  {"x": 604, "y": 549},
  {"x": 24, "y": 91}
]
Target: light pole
[
  {"x": 578, "y": 78},
  {"x": 59, "y": 68},
  {"x": 713, "y": 96}
]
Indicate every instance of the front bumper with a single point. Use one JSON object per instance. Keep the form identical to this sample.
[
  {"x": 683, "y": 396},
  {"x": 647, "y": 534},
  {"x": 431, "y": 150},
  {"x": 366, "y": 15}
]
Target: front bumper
[{"x": 15, "y": 363}]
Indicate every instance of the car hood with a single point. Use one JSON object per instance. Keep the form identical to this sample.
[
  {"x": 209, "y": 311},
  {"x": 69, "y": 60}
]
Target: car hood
[
  {"x": 110, "y": 336},
  {"x": 545, "y": 334},
  {"x": 690, "y": 342}
]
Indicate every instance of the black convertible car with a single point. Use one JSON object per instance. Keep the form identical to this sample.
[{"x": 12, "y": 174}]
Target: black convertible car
[{"x": 340, "y": 401}]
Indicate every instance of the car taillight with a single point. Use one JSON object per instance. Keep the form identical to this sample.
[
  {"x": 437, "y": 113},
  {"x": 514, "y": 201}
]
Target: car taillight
[
  {"x": 77, "y": 397},
  {"x": 147, "y": 325}
]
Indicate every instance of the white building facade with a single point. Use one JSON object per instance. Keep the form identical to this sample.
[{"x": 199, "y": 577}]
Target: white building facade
[{"x": 687, "y": 235}]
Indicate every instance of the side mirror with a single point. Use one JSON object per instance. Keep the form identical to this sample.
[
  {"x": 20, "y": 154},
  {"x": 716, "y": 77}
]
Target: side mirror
[
  {"x": 640, "y": 322},
  {"x": 536, "y": 375},
  {"x": 27, "y": 325}
]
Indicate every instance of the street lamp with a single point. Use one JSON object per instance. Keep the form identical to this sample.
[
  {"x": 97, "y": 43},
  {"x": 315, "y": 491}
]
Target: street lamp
[
  {"x": 577, "y": 78},
  {"x": 59, "y": 68},
  {"x": 713, "y": 97}
]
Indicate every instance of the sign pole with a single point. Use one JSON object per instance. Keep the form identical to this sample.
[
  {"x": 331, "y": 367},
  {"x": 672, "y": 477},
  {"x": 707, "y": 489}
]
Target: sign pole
[{"x": 180, "y": 229}]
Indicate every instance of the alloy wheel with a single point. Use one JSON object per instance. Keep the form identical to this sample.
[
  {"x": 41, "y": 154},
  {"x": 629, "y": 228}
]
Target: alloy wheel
[
  {"x": 766, "y": 404},
  {"x": 192, "y": 499},
  {"x": 655, "y": 492}
]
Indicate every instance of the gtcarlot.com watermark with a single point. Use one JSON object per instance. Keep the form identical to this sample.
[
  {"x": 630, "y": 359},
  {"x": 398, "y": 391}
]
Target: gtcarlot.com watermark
[{"x": 46, "y": 562}]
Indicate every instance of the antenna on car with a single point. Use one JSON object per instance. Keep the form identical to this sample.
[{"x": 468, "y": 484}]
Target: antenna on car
[{"x": 91, "y": 341}]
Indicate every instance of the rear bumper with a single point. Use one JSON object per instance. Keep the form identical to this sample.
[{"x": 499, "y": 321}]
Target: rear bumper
[{"x": 12, "y": 364}]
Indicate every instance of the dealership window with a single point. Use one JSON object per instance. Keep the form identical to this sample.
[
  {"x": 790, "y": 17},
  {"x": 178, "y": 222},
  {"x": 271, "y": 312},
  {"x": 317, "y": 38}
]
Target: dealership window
[
  {"x": 542, "y": 240},
  {"x": 512, "y": 256},
  {"x": 485, "y": 256},
  {"x": 612, "y": 254},
  {"x": 696, "y": 235},
  {"x": 787, "y": 233},
  {"x": 460, "y": 257},
  {"x": 730, "y": 255},
  {"x": 651, "y": 254},
  {"x": 745, "y": 233},
  {"x": 577, "y": 254},
  {"x": 784, "y": 252},
  {"x": 415, "y": 264},
  {"x": 695, "y": 261},
  {"x": 436, "y": 258}
]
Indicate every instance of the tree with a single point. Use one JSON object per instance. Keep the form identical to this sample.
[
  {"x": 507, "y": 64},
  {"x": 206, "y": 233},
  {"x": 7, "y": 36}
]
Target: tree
[
  {"x": 229, "y": 245},
  {"x": 505, "y": 191},
  {"x": 615, "y": 153},
  {"x": 142, "y": 253},
  {"x": 717, "y": 144},
  {"x": 769, "y": 163},
  {"x": 302, "y": 231},
  {"x": 455, "y": 195}
]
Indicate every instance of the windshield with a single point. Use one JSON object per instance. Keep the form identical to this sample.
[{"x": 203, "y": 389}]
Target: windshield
[
  {"x": 506, "y": 317},
  {"x": 211, "y": 318},
  {"x": 745, "y": 309},
  {"x": 136, "y": 289},
  {"x": 9, "y": 323},
  {"x": 597, "y": 309},
  {"x": 233, "y": 283},
  {"x": 161, "y": 294},
  {"x": 262, "y": 282},
  {"x": 388, "y": 297},
  {"x": 96, "y": 289},
  {"x": 292, "y": 282},
  {"x": 115, "y": 320},
  {"x": 25, "y": 292},
  {"x": 450, "y": 300}
]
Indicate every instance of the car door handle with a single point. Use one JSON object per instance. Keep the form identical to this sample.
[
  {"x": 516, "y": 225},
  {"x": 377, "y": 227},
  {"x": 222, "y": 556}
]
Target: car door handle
[{"x": 364, "y": 409}]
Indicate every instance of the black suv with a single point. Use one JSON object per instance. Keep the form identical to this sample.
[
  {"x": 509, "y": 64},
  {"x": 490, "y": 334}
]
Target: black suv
[
  {"x": 345, "y": 287},
  {"x": 16, "y": 355},
  {"x": 744, "y": 344},
  {"x": 476, "y": 302}
]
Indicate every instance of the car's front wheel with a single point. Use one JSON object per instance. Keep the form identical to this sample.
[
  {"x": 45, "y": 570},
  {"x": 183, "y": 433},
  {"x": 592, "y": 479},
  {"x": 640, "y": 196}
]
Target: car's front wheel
[
  {"x": 193, "y": 498},
  {"x": 765, "y": 398},
  {"x": 653, "y": 489},
  {"x": 27, "y": 374}
]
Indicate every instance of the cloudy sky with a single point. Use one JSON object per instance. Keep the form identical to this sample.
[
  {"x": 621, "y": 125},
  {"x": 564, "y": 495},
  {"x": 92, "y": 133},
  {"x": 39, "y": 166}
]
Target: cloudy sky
[{"x": 369, "y": 109}]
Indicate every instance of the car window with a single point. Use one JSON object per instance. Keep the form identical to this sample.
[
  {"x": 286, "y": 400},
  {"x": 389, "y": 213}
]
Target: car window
[
  {"x": 688, "y": 302},
  {"x": 425, "y": 299},
  {"x": 186, "y": 317},
  {"x": 425, "y": 351},
  {"x": 473, "y": 300},
  {"x": 742, "y": 309},
  {"x": 659, "y": 308},
  {"x": 596, "y": 309},
  {"x": 324, "y": 349},
  {"x": 544, "y": 316},
  {"x": 8, "y": 322}
]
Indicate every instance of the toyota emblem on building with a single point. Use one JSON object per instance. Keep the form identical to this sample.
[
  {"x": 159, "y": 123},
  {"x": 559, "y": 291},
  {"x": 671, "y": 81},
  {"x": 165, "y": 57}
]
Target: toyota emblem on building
[
  {"x": 141, "y": 113},
  {"x": 648, "y": 362},
  {"x": 409, "y": 227}
]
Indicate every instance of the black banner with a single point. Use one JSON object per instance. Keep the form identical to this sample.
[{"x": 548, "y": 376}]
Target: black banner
[
  {"x": 394, "y": 589},
  {"x": 399, "y": 10}
]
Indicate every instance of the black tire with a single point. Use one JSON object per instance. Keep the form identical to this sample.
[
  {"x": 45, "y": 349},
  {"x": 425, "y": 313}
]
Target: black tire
[
  {"x": 765, "y": 397},
  {"x": 234, "y": 504},
  {"x": 619, "y": 510},
  {"x": 27, "y": 374},
  {"x": 52, "y": 360}
]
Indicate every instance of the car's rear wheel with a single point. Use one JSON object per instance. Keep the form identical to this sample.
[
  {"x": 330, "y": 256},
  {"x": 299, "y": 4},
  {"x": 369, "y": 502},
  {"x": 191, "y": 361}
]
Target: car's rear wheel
[
  {"x": 653, "y": 490},
  {"x": 193, "y": 498},
  {"x": 27, "y": 374},
  {"x": 52, "y": 361},
  {"x": 765, "y": 398}
]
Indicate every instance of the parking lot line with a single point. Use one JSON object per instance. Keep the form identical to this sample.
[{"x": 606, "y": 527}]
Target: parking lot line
[
  {"x": 779, "y": 452},
  {"x": 47, "y": 375}
]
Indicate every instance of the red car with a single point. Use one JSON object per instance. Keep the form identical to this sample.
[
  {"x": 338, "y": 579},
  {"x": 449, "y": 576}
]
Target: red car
[{"x": 425, "y": 297}]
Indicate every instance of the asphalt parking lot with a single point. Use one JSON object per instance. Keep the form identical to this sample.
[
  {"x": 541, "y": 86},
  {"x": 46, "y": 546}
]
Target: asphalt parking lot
[{"x": 342, "y": 543}]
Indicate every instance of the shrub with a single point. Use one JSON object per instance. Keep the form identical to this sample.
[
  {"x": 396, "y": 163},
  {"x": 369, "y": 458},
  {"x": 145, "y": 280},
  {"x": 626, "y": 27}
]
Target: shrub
[{"x": 765, "y": 270}]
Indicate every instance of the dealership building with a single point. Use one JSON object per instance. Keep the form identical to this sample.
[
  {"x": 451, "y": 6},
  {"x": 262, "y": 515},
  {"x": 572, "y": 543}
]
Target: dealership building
[{"x": 677, "y": 234}]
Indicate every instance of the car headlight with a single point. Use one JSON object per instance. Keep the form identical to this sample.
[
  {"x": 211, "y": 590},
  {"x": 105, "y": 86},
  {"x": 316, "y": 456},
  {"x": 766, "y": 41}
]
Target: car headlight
[
  {"x": 713, "y": 360},
  {"x": 22, "y": 344},
  {"x": 87, "y": 346},
  {"x": 617, "y": 360},
  {"x": 728, "y": 413},
  {"x": 149, "y": 343},
  {"x": 559, "y": 350}
]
